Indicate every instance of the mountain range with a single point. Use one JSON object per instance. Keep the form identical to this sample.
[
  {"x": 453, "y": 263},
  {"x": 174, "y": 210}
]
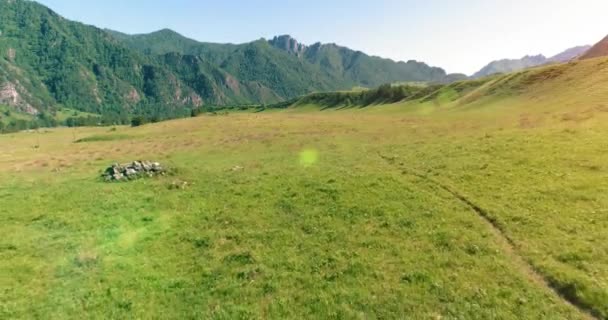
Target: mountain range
[
  {"x": 48, "y": 61},
  {"x": 511, "y": 65}
]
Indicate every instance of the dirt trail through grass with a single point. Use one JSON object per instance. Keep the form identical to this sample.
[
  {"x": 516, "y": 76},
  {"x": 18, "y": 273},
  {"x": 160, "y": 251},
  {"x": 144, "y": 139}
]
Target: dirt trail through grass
[{"x": 507, "y": 244}]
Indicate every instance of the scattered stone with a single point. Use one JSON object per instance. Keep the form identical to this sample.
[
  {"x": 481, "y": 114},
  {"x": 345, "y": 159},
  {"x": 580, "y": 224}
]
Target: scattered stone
[
  {"x": 176, "y": 185},
  {"x": 133, "y": 170}
]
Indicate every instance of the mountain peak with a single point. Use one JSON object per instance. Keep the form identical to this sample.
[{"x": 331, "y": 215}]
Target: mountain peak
[
  {"x": 165, "y": 31},
  {"x": 289, "y": 44}
]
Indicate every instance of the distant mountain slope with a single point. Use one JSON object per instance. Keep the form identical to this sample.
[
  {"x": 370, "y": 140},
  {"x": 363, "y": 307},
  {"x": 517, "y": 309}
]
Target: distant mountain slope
[
  {"x": 168, "y": 41},
  {"x": 326, "y": 66},
  {"x": 159, "y": 42},
  {"x": 569, "y": 54},
  {"x": 47, "y": 61},
  {"x": 598, "y": 50},
  {"x": 511, "y": 65},
  {"x": 364, "y": 70}
]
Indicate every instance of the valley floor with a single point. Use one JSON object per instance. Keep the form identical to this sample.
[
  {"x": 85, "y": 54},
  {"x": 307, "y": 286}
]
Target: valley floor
[{"x": 335, "y": 214}]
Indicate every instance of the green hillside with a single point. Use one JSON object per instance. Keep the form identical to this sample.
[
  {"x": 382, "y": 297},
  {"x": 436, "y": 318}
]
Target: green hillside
[
  {"x": 277, "y": 68},
  {"x": 52, "y": 61}
]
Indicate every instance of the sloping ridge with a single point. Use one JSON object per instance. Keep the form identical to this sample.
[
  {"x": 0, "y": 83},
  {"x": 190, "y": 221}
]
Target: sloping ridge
[
  {"x": 540, "y": 89},
  {"x": 598, "y": 50},
  {"x": 545, "y": 84},
  {"x": 569, "y": 54},
  {"x": 512, "y": 65}
]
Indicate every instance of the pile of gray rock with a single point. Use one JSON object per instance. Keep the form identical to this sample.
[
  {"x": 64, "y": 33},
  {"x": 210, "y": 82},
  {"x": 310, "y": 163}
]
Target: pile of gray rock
[{"x": 133, "y": 170}]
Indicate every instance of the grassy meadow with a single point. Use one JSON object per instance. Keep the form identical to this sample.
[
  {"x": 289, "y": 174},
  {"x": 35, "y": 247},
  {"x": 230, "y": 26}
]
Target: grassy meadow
[{"x": 484, "y": 203}]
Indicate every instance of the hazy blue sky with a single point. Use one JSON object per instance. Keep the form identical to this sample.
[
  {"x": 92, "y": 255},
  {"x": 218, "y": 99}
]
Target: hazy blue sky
[{"x": 458, "y": 35}]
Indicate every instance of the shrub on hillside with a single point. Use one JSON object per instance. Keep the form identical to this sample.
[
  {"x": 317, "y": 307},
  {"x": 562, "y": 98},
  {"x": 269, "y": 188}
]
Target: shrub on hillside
[{"x": 138, "y": 121}]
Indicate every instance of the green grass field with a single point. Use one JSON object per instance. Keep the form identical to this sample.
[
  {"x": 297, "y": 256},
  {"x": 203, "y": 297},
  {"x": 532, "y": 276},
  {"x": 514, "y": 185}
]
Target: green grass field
[
  {"x": 7, "y": 115},
  {"x": 484, "y": 203},
  {"x": 65, "y": 113}
]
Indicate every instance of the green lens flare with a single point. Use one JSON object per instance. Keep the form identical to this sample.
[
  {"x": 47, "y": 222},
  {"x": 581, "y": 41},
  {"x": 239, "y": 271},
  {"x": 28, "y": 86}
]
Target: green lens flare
[{"x": 309, "y": 157}]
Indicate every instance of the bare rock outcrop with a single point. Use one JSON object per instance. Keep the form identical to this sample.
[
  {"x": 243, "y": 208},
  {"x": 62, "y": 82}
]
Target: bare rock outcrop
[
  {"x": 9, "y": 95},
  {"x": 133, "y": 171},
  {"x": 133, "y": 96},
  {"x": 289, "y": 44}
]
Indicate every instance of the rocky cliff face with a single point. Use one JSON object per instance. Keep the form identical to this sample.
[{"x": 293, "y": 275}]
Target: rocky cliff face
[
  {"x": 288, "y": 44},
  {"x": 10, "y": 96}
]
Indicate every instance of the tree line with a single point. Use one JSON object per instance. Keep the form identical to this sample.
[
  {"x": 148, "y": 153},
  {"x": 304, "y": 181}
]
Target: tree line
[{"x": 43, "y": 120}]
